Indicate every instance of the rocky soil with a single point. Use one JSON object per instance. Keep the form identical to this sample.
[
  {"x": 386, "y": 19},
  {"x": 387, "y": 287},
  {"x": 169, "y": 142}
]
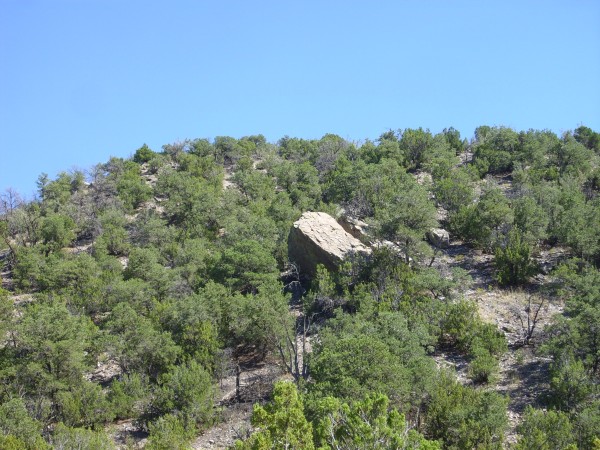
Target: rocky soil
[
  {"x": 523, "y": 372},
  {"x": 255, "y": 385}
]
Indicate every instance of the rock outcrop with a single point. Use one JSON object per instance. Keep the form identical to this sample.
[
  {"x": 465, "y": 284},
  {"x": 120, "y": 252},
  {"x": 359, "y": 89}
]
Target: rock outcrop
[
  {"x": 355, "y": 227},
  {"x": 316, "y": 238},
  {"x": 439, "y": 237}
]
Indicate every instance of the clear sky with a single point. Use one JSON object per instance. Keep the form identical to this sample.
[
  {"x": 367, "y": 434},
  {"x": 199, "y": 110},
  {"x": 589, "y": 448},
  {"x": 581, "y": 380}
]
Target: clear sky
[{"x": 81, "y": 80}]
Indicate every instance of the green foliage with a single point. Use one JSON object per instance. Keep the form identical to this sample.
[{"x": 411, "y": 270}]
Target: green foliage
[
  {"x": 582, "y": 229},
  {"x": 587, "y": 137},
  {"x": 464, "y": 417},
  {"x": 530, "y": 219},
  {"x": 545, "y": 430},
  {"x": 202, "y": 148},
  {"x": 358, "y": 355},
  {"x": 229, "y": 150},
  {"x": 586, "y": 425},
  {"x": 399, "y": 205},
  {"x": 301, "y": 182},
  {"x": 454, "y": 190},
  {"x": 128, "y": 396},
  {"x": 251, "y": 222},
  {"x": 56, "y": 194},
  {"x": 486, "y": 222},
  {"x": 298, "y": 150},
  {"x": 355, "y": 366},
  {"x": 245, "y": 266},
  {"x": 459, "y": 324},
  {"x": 488, "y": 337},
  {"x": 414, "y": 146},
  {"x": 187, "y": 391},
  {"x": 576, "y": 336},
  {"x": 151, "y": 230},
  {"x": 158, "y": 162},
  {"x": 52, "y": 345},
  {"x": 462, "y": 327},
  {"x": 77, "y": 277},
  {"x": 193, "y": 327},
  {"x": 19, "y": 222},
  {"x": 571, "y": 157},
  {"x": 28, "y": 268},
  {"x": 113, "y": 238},
  {"x": 369, "y": 423},
  {"x": 132, "y": 190},
  {"x": 191, "y": 203},
  {"x": 261, "y": 320},
  {"x": 513, "y": 262},
  {"x": 452, "y": 137},
  {"x": 574, "y": 346},
  {"x": 10, "y": 442},
  {"x": 170, "y": 432},
  {"x": 143, "y": 154},
  {"x": 329, "y": 149},
  {"x": 80, "y": 438},
  {"x": 254, "y": 186},
  {"x": 57, "y": 231},
  {"x": 281, "y": 424},
  {"x": 144, "y": 265},
  {"x": 570, "y": 384},
  {"x": 484, "y": 367},
  {"x": 402, "y": 210},
  {"x": 137, "y": 293},
  {"x": 494, "y": 149},
  {"x": 84, "y": 405},
  {"x": 535, "y": 146},
  {"x": 136, "y": 343},
  {"x": 19, "y": 429},
  {"x": 441, "y": 158}
]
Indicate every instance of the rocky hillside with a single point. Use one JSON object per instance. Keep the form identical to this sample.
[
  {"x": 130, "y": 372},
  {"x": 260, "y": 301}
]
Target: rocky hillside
[{"x": 444, "y": 288}]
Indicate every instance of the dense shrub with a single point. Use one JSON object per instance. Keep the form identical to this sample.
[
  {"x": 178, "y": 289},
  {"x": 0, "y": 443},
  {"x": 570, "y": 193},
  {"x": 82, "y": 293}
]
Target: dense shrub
[{"x": 513, "y": 262}]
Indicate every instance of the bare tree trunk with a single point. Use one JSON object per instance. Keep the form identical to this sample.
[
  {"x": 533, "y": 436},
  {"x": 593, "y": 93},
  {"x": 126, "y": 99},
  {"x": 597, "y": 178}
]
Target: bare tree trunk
[
  {"x": 435, "y": 252},
  {"x": 532, "y": 319}
]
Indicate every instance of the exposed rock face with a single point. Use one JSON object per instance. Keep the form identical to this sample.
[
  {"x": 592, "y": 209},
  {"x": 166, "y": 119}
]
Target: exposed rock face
[
  {"x": 316, "y": 238},
  {"x": 439, "y": 237},
  {"x": 355, "y": 227}
]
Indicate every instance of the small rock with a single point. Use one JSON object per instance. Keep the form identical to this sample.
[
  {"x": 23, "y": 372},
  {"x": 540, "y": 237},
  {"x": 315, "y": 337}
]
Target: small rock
[{"x": 439, "y": 237}]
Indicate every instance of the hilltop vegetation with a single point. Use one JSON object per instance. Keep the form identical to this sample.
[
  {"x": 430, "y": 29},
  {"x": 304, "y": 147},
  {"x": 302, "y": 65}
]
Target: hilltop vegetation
[{"x": 130, "y": 292}]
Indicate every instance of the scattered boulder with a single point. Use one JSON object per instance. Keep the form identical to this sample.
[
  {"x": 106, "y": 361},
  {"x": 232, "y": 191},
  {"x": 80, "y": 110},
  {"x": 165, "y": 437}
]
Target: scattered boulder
[
  {"x": 548, "y": 259},
  {"x": 442, "y": 214},
  {"x": 423, "y": 178},
  {"x": 439, "y": 237},
  {"x": 316, "y": 238}
]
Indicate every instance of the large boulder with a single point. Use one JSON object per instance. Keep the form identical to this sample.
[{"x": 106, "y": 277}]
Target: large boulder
[
  {"x": 439, "y": 237},
  {"x": 316, "y": 238}
]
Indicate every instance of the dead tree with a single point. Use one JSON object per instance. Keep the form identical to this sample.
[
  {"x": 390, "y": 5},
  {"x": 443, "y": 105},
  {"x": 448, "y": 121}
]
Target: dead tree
[
  {"x": 292, "y": 350},
  {"x": 528, "y": 326}
]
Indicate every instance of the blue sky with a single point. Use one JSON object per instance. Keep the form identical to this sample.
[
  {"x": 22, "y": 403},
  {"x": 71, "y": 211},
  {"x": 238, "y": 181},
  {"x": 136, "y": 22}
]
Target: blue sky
[{"x": 81, "y": 80}]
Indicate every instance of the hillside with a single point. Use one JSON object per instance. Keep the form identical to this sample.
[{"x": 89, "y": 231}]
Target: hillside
[{"x": 437, "y": 292}]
